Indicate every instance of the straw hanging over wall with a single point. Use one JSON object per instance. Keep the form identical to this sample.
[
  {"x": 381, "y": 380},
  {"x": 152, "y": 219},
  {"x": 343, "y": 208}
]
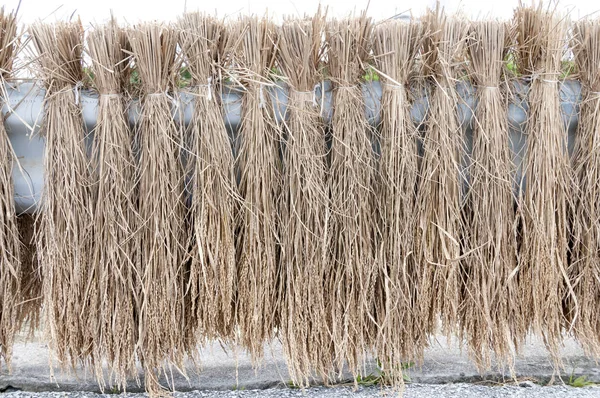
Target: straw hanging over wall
[
  {"x": 161, "y": 312},
  {"x": 65, "y": 219},
  {"x": 115, "y": 262},
  {"x": 343, "y": 242},
  {"x": 259, "y": 168},
  {"x": 540, "y": 43},
  {"x": 584, "y": 271},
  {"x": 304, "y": 207},
  {"x": 351, "y": 278},
  {"x": 397, "y": 44},
  {"x": 213, "y": 267},
  {"x": 439, "y": 194},
  {"x": 10, "y": 256},
  {"x": 489, "y": 308}
]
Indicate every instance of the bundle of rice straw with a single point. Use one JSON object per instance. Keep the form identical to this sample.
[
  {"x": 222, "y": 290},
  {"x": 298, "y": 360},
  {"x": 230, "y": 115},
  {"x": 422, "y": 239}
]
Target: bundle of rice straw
[
  {"x": 161, "y": 310},
  {"x": 214, "y": 189},
  {"x": 304, "y": 206},
  {"x": 65, "y": 212},
  {"x": 10, "y": 257},
  {"x": 439, "y": 194},
  {"x": 397, "y": 44},
  {"x": 585, "y": 263},
  {"x": 351, "y": 274},
  {"x": 259, "y": 169},
  {"x": 114, "y": 264},
  {"x": 540, "y": 36},
  {"x": 489, "y": 306}
]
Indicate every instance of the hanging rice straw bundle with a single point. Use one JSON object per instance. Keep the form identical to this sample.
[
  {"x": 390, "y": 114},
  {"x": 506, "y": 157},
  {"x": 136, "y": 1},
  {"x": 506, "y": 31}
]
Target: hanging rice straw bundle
[
  {"x": 304, "y": 209},
  {"x": 489, "y": 303},
  {"x": 259, "y": 168},
  {"x": 585, "y": 264},
  {"x": 214, "y": 189},
  {"x": 352, "y": 270},
  {"x": 397, "y": 44},
  {"x": 114, "y": 271},
  {"x": 10, "y": 257},
  {"x": 439, "y": 194},
  {"x": 540, "y": 38},
  {"x": 163, "y": 242},
  {"x": 64, "y": 239}
]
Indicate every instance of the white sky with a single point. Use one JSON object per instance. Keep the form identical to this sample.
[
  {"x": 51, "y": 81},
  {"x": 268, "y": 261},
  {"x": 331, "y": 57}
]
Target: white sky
[{"x": 133, "y": 11}]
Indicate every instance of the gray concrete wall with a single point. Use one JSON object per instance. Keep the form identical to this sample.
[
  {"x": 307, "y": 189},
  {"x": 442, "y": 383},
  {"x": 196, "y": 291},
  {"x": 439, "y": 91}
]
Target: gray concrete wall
[{"x": 24, "y": 109}]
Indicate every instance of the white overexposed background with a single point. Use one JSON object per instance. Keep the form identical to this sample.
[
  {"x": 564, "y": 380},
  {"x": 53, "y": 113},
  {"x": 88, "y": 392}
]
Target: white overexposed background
[{"x": 133, "y": 11}]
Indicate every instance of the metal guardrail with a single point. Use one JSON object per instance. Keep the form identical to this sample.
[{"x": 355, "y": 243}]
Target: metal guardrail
[{"x": 25, "y": 111}]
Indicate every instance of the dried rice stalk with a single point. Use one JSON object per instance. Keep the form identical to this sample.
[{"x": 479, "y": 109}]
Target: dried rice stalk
[
  {"x": 304, "y": 207},
  {"x": 259, "y": 168},
  {"x": 10, "y": 256},
  {"x": 397, "y": 44},
  {"x": 439, "y": 194},
  {"x": 585, "y": 264},
  {"x": 65, "y": 218},
  {"x": 352, "y": 271},
  {"x": 214, "y": 189},
  {"x": 540, "y": 38},
  {"x": 489, "y": 308},
  {"x": 161, "y": 309},
  {"x": 114, "y": 265},
  {"x": 31, "y": 279}
]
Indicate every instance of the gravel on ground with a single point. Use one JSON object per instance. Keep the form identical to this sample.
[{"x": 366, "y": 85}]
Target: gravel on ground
[{"x": 525, "y": 390}]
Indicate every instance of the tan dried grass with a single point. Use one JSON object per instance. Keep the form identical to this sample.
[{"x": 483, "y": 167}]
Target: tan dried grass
[
  {"x": 10, "y": 255},
  {"x": 213, "y": 267},
  {"x": 114, "y": 274},
  {"x": 304, "y": 208},
  {"x": 65, "y": 217},
  {"x": 400, "y": 339},
  {"x": 162, "y": 310},
  {"x": 489, "y": 308},
  {"x": 258, "y": 166},
  {"x": 439, "y": 202},
  {"x": 584, "y": 271},
  {"x": 29, "y": 317},
  {"x": 351, "y": 275},
  {"x": 543, "y": 284}
]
